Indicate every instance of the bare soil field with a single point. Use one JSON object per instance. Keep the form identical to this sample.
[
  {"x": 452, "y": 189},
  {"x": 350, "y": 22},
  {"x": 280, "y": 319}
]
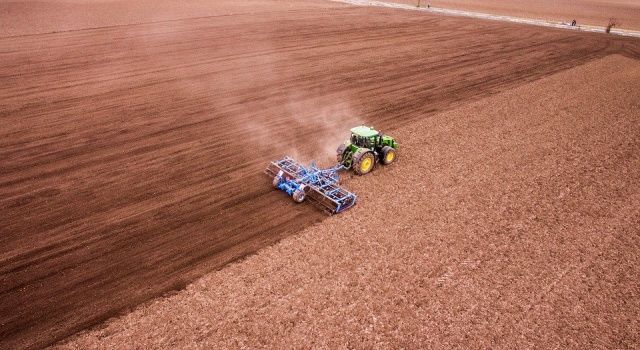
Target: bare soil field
[
  {"x": 591, "y": 12},
  {"x": 512, "y": 222},
  {"x": 131, "y": 155}
]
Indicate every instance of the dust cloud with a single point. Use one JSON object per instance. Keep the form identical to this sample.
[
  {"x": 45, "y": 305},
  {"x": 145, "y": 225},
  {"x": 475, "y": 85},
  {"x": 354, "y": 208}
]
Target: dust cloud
[{"x": 325, "y": 123}]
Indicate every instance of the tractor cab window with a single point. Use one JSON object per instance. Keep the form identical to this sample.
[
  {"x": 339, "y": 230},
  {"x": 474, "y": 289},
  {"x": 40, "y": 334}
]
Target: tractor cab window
[{"x": 360, "y": 141}]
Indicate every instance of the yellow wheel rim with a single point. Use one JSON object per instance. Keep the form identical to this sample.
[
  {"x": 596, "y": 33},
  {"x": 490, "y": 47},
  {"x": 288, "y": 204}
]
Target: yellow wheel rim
[
  {"x": 366, "y": 164},
  {"x": 390, "y": 156}
]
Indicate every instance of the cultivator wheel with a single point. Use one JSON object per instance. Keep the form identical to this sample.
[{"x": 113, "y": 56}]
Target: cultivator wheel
[
  {"x": 299, "y": 195},
  {"x": 277, "y": 179},
  {"x": 320, "y": 186},
  {"x": 363, "y": 162},
  {"x": 388, "y": 155}
]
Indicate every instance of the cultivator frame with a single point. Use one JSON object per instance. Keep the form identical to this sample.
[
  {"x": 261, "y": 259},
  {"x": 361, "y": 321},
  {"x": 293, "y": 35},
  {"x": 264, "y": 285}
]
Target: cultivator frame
[{"x": 319, "y": 185}]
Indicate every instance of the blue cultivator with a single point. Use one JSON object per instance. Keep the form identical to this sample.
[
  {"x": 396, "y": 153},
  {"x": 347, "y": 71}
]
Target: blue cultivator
[{"x": 319, "y": 185}]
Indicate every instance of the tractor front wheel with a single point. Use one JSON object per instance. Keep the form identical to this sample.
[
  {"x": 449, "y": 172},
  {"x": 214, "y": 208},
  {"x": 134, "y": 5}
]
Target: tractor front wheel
[
  {"x": 388, "y": 155},
  {"x": 363, "y": 162}
]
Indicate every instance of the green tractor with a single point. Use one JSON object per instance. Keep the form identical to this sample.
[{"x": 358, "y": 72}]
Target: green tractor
[{"x": 365, "y": 148}]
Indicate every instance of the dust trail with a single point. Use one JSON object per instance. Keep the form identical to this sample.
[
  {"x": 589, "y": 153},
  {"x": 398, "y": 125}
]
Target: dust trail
[
  {"x": 325, "y": 122},
  {"x": 314, "y": 127},
  {"x": 306, "y": 124}
]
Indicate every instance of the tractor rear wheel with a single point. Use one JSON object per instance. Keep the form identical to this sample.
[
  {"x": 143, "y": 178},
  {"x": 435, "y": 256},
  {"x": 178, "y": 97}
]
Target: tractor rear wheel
[
  {"x": 363, "y": 162},
  {"x": 340, "y": 152},
  {"x": 388, "y": 155}
]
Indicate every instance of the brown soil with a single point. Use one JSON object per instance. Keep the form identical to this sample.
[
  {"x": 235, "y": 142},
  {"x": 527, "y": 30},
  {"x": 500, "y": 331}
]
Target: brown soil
[
  {"x": 131, "y": 156},
  {"x": 591, "y": 12},
  {"x": 508, "y": 223},
  {"x": 24, "y": 17}
]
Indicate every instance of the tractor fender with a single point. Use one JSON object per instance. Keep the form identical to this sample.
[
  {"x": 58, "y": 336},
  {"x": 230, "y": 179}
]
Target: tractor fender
[{"x": 342, "y": 147}]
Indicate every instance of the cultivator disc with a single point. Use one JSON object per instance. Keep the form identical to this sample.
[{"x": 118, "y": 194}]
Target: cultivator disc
[{"x": 318, "y": 185}]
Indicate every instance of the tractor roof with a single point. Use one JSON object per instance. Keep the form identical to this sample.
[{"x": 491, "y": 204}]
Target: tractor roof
[{"x": 364, "y": 131}]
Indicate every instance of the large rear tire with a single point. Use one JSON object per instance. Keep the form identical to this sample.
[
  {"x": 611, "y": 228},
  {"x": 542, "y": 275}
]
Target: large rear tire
[
  {"x": 340, "y": 152},
  {"x": 388, "y": 155},
  {"x": 363, "y": 162}
]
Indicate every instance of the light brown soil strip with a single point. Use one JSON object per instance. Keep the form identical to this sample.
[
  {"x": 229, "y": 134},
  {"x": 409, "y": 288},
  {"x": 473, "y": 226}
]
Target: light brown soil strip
[
  {"x": 590, "y": 12},
  {"x": 611, "y": 30}
]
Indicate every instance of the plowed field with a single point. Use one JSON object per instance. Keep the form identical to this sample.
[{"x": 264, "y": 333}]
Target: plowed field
[{"x": 131, "y": 155}]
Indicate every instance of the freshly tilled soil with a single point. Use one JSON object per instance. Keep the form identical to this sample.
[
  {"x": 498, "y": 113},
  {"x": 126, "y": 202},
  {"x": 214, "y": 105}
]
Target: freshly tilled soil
[{"x": 511, "y": 222}]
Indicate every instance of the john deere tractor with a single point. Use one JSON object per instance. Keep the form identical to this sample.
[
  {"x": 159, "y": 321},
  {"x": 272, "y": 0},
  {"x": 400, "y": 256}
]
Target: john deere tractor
[{"x": 365, "y": 148}]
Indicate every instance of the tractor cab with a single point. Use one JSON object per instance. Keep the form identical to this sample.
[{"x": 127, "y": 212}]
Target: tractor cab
[
  {"x": 364, "y": 136},
  {"x": 365, "y": 148}
]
